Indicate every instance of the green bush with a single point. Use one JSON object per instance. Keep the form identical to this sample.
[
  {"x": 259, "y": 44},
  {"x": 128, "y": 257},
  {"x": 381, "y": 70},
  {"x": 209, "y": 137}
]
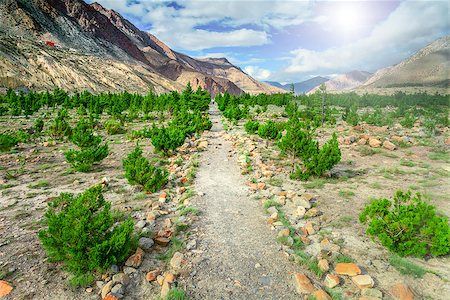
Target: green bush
[
  {"x": 269, "y": 131},
  {"x": 90, "y": 150},
  {"x": 83, "y": 234},
  {"x": 59, "y": 127},
  {"x": 138, "y": 170},
  {"x": 114, "y": 127},
  {"x": 7, "y": 141},
  {"x": 407, "y": 225},
  {"x": 167, "y": 139},
  {"x": 251, "y": 127},
  {"x": 38, "y": 125}
]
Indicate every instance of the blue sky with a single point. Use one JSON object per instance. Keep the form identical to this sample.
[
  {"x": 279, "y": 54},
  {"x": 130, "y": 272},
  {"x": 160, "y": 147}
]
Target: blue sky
[{"x": 291, "y": 41}]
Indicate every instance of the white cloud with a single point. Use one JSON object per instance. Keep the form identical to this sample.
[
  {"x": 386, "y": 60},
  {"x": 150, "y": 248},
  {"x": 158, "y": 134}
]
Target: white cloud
[
  {"x": 257, "y": 72},
  {"x": 410, "y": 27},
  {"x": 182, "y": 28}
]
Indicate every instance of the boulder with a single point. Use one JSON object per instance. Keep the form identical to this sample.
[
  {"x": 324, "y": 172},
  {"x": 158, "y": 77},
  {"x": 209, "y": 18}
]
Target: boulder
[
  {"x": 363, "y": 281},
  {"x": 331, "y": 281},
  {"x": 388, "y": 145},
  {"x": 350, "y": 269},
  {"x": 302, "y": 284},
  {"x": 374, "y": 143}
]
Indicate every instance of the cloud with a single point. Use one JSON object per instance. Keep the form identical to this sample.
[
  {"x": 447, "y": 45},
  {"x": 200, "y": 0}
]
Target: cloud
[
  {"x": 257, "y": 72},
  {"x": 186, "y": 25},
  {"x": 410, "y": 27}
]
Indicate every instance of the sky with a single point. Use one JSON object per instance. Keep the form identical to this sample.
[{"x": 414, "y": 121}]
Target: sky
[{"x": 292, "y": 41}]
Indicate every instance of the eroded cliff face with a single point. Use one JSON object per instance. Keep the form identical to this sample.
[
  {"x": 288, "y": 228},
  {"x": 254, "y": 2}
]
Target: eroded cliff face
[{"x": 99, "y": 50}]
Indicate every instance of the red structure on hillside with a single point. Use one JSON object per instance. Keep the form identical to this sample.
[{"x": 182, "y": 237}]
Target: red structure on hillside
[{"x": 51, "y": 44}]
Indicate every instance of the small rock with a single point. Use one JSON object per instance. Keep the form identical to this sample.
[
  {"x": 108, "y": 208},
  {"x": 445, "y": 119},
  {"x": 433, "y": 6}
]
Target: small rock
[
  {"x": 313, "y": 212},
  {"x": 321, "y": 295},
  {"x": 121, "y": 278},
  {"x": 192, "y": 244},
  {"x": 99, "y": 284},
  {"x": 331, "y": 281},
  {"x": 5, "y": 288},
  {"x": 176, "y": 260},
  {"x": 257, "y": 266},
  {"x": 141, "y": 224},
  {"x": 374, "y": 143},
  {"x": 350, "y": 269},
  {"x": 300, "y": 212},
  {"x": 135, "y": 260},
  {"x": 202, "y": 145},
  {"x": 89, "y": 290},
  {"x": 118, "y": 289},
  {"x": 165, "y": 290},
  {"x": 152, "y": 275},
  {"x": 374, "y": 293},
  {"x": 302, "y": 202},
  {"x": 112, "y": 296},
  {"x": 129, "y": 270},
  {"x": 363, "y": 281},
  {"x": 309, "y": 228},
  {"x": 169, "y": 277},
  {"x": 308, "y": 197},
  {"x": 401, "y": 292},
  {"x": 283, "y": 232},
  {"x": 114, "y": 269},
  {"x": 146, "y": 243},
  {"x": 106, "y": 289},
  {"x": 162, "y": 241},
  {"x": 302, "y": 284},
  {"x": 323, "y": 265},
  {"x": 272, "y": 210},
  {"x": 388, "y": 145},
  {"x": 362, "y": 141}
]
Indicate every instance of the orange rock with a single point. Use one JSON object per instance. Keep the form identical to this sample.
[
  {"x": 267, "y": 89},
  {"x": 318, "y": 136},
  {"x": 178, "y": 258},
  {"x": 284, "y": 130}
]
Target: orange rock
[
  {"x": 152, "y": 275},
  {"x": 282, "y": 193},
  {"x": 363, "y": 281},
  {"x": 169, "y": 278},
  {"x": 162, "y": 241},
  {"x": 350, "y": 269},
  {"x": 323, "y": 265},
  {"x": 309, "y": 228},
  {"x": 163, "y": 195},
  {"x": 261, "y": 185},
  {"x": 362, "y": 142},
  {"x": 321, "y": 295},
  {"x": 110, "y": 297},
  {"x": 374, "y": 142},
  {"x": 388, "y": 145},
  {"x": 331, "y": 281},
  {"x": 5, "y": 288},
  {"x": 283, "y": 232},
  {"x": 401, "y": 292},
  {"x": 302, "y": 284},
  {"x": 165, "y": 290},
  {"x": 135, "y": 260}
]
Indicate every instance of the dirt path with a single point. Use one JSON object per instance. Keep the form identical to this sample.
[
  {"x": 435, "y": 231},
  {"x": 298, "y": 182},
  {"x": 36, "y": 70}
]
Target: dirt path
[{"x": 238, "y": 255}]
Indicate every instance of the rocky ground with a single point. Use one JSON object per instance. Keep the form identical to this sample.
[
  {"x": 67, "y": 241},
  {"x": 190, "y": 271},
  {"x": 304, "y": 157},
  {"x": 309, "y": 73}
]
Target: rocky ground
[{"x": 233, "y": 231}]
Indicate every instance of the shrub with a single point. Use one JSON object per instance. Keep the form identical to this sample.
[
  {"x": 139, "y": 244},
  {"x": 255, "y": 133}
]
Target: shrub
[
  {"x": 38, "y": 125},
  {"x": 251, "y": 127},
  {"x": 7, "y": 141},
  {"x": 90, "y": 150},
  {"x": 407, "y": 226},
  {"x": 167, "y": 139},
  {"x": 269, "y": 131},
  {"x": 59, "y": 127},
  {"x": 114, "y": 127},
  {"x": 138, "y": 170},
  {"x": 83, "y": 234}
]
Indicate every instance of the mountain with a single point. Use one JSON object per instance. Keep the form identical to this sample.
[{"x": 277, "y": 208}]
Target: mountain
[
  {"x": 346, "y": 81},
  {"x": 76, "y": 46},
  {"x": 429, "y": 67},
  {"x": 300, "y": 87}
]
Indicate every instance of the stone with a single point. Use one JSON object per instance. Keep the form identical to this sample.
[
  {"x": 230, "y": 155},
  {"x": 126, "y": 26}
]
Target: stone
[
  {"x": 89, "y": 290},
  {"x": 362, "y": 141},
  {"x": 5, "y": 288},
  {"x": 272, "y": 210},
  {"x": 309, "y": 228},
  {"x": 350, "y": 269},
  {"x": 135, "y": 260},
  {"x": 401, "y": 291},
  {"x": 331, "y": 281},
  {"x": 146, "y": 243},
  {"x": 374, "y": 293},
  {"x": 283, "y": 232},
  {"x": 374, "y": 143},
  {"x": 152, "y": 275},
  {"x": 176, "y": 260},
  {"x": 302, "y": 284},
  {"x": 323, "y": 265},
  {"x": 389, "y": 146},
  {"x": 261, "y": 185},
  {"x": 308, "y": 197},
  {"x": 169, "y": 277},
  {"x": 321, "y": 295},
  {"x": 165, "y": 290},
  {"x": 301, "y": 202},
  {"x": 300, "y": 212},
  {"x": 118, "y": 289},
  {"x": 99, "y": 284},
  {"x": 141, "y": 224},
  {"x": 313, "y": 212},
  {"x": 396, "y": 138},
  {"x": 129, "y": 270},
  {"x": 106, "y": 289},
  {"x": 363, "y": 281},
  {"x": 162, "y": 241},
  {"x": 111, "y": 297},
  {"x": 121, "y": 278},
  {"x": 114, "y": 269},
  {"x": 46, "y": 144}
]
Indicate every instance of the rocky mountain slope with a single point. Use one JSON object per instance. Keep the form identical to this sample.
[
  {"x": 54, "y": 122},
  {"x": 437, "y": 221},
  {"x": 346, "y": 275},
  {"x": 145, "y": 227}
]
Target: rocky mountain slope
[
  {"x": 97, "y": 49},
  {"x": 346, "y": 81},
  {"x": 428, "y": 67},
  {"x": 301, "y": 87}
]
